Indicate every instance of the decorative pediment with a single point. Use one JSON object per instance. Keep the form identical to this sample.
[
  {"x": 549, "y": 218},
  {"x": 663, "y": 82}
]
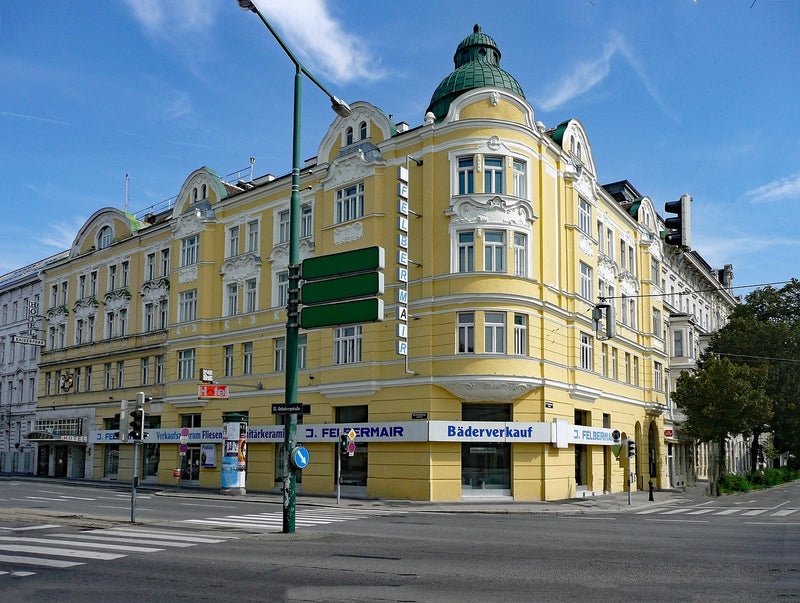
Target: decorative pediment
[
  {"x": 586, "y": 245},
  {"x": 607, "y": 269},
  {"x": 119, "y": 298},
  {"x": 57, "y": 315},
  {"x": 628, "y": 285},
  {"x": 481, "y": 210},
  {"x": 187, "y": 274},
  {"x": 348, "y": 233},
  {"x": 488, "y": 389},
  {"x": 241, "y": 268},
  {"x": 349, "y": 169},
  {"x": 85, "y": 307},
  {"x": 155, "y": 290},
  {"x": 187, "y": 224}
]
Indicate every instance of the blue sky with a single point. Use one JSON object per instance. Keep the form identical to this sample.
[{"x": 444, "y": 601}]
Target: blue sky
[{"x": 676, "y": 95}]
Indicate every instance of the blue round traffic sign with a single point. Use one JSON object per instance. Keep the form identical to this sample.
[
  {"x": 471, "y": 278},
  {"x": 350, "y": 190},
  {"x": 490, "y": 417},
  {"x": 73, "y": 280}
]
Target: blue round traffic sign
[{"x": 300, "y": 457}]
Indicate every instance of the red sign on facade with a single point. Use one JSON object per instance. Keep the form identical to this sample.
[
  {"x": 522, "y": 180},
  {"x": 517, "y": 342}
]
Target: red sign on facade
[
  {"x": 667, "y": 433},
  {"x": 211, "y": 391}
]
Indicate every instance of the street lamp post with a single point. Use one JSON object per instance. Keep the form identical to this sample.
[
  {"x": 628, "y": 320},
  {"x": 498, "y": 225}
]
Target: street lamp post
[{"x": 293, "y": 301}]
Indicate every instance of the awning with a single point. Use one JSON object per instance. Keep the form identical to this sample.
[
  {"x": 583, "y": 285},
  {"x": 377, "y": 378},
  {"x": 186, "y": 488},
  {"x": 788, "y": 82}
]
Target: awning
[{"x": 44, "y": 436}]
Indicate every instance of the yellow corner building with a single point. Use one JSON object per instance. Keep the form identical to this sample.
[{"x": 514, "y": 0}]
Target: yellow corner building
[{"x": 489, "y": 375}]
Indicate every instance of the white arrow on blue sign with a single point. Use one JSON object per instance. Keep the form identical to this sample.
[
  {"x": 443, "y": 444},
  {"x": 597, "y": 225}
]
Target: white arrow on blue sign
[{"x": 300, "y": 457}]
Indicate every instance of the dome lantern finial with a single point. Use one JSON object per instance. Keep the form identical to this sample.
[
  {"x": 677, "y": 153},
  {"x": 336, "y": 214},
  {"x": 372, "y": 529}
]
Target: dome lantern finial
[{"x": 476, "y": 29}]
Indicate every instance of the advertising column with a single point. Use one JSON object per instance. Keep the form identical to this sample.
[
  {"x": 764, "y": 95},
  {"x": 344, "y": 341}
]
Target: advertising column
[{"x": 234, "y": 455}]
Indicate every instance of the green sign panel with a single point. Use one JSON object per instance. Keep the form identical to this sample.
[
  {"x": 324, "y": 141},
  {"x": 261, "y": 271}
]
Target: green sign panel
[
  {"x": 342, "y": 313},
  {"x": 347, "y": 262},
  {"x": 344, "y": 287}
]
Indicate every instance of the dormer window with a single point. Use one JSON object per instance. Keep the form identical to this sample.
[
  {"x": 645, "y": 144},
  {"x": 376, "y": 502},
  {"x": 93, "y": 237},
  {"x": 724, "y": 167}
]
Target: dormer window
[
  {"x": 105, "y": 237},
  {"x": 348, "y": 136},
  {"x": 362, "y": 130}
]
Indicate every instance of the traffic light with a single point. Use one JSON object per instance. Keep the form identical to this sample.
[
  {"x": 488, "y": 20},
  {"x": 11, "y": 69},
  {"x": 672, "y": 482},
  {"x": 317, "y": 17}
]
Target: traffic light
[
  {"x": 680, "y": 226},
  {"x": 343, "y": 439},
  {"x": 137, "y": 425},
  {"x": 605, "y": 320},
  {"x": 631, "y": 448},
  {"x": 122, "y": 433}
]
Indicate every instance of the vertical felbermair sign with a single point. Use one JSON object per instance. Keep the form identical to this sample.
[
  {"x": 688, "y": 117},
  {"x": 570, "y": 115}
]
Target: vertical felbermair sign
[{"x": 402, "y": 261}]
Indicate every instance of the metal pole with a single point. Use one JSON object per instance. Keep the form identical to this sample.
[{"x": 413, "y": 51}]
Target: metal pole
[
  {"x": 338, "y": 475},
  {"x": 292, "y": 315},
  {"x": 133, "y": 480}
]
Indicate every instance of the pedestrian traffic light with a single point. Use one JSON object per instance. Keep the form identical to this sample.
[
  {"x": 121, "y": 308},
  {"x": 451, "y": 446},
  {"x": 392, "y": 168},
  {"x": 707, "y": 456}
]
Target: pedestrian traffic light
[
  {"x": 679, "y": 227},
  {"x": 631, "y": 448},
  {"x": 343, "y": 439},
  {"x": 137, "y": 425}
]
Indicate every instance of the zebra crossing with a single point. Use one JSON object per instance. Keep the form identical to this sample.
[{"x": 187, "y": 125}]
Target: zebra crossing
[
  {"x": 22, "y": 550},
  {"x": 740, "y": 512},
  {"x": 306, "y": 517}
]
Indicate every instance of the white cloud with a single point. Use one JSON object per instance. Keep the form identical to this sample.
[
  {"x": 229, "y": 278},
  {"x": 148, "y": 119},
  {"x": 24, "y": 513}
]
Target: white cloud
[
  {"x": 159, "y": 18},
  {"x": 61, "y": 235},
  {"x": 777, "y": 190},
  {"x": 587, "y": 74},
  {"x": 34, "y": 118},
  {"x": 313, "y": 33}
]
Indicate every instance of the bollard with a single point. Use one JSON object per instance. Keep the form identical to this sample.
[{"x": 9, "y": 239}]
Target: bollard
[{"x": 651, "y": 491}]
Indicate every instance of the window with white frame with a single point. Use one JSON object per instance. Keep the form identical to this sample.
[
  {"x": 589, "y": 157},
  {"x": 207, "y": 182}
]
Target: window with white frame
[
  {"x": 614, "y": 364},
  {"x": 306, "y": 221},
  {"x": 227, "y": 367},
  {"x": 110, "y": 320},
  {"x": 109, "y": 375},
  {"x": 231, "y": 299},
  {"x": 657, "y": 376},
  {"x": 610, "y": 243},
  {"x": 465, "y": 332},
  {"x": 145, "y": 371},
  {"x": 494, "y": 332},
  {"x": 493, "y": 175},
  {"x": 81, "y": 287},
  {"x": 123, "y": 322},
  {"x": 586, "y": 282},
  {"x": 186, "y": 360},
  {"x": 90, "y": 329},
  {"x": 349, "y": 203},
  {"x": 163, "y": 314},
  {"x": 105, "y": 237},
  {"x": 302, "y": 351},
  {"x": 64, "y": 295},
  {"x": 586, "y": 352},
  {"x": 280, "y": 354},
  {"x": 636, "y": 370},
  {"x": 149, "y": 317},
  {"x": 584, "y": 216},
  {"x": 631, "y": 260},
  {"x": 622, "y": 252},
  {"x": 632, "y": 312},
  {"x": 79, "y": 331},
  {"x": 627, "y": 367},
  {"x": 283, "y": 288},
  {"x": 604, "y": 359},
  {"x": 677, "y": 343},
  {"x": 600, "y": 237},
  {"x": 187, "y": 305},
  {"x": 125, "y": 273},
  {"x": 520, "y": 179},
  {"x": 494, "y": 250},
  {"x": 247, "y": 358},
  {"x": 165, "y": 262},
  {"x": 112, "y": 277},
  {"x": 623, "y": 305},
  {"x": 190, "y": 250},
  {"x": 347, "y": 345},
  {"x": 283, "y": 226},
  {"x": 466, "y": 251},
  {"x": 520, "y": 334},
  {"x": 121, "y": 374},
  {"x": 252, "y": 236},
  {"x": 160, "y": 375},
  {"x": 150, "y": 266},
  {"x": 656, "y": 322},
  {"x": 466, "y": 175},
  {"x": 520, "y": 254},
  {"x": 250, "y": 297},
  {"x": 233, "y": 241}
]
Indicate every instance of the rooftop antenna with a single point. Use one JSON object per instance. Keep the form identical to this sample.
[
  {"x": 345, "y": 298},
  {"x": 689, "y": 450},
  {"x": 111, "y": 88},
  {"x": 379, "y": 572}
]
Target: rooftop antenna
[{"x": 252, "y": 163}]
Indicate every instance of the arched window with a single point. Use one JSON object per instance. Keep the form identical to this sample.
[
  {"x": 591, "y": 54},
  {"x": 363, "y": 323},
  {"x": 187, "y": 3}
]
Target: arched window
[
  {"x": 363, "y": 130},
  {"x": 105, "y": 237},
  {"x": 348, "y": 136},
  {"x": 204, "y": 192}
]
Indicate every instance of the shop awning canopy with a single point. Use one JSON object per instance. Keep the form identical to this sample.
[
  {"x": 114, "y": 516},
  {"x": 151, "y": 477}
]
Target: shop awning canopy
[{"x": 45, "y": 436}]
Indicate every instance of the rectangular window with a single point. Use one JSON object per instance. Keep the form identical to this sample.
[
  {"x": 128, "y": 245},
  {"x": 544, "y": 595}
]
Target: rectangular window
[
  {"x": 586, "y": 352},
  {"x": 520, "y": 334},
  {"x": 247, "y": 358},
  {"x": 520, "y": 254},
  {"x": 280, "y": 354},
  {"x": 109, "y": 325},
  {"x": 149, "y": 317},
  {"x": 109, "y": 375},
  {"x": 186, "y": 364},
  {"x": 520, "y": 179},
  {"x": 466, "y": 175},
  {"x": 187, "y": 305},
  {"x": 657, "y": 376},
  {"x": 145, "y": 371},
  {"x": 252, "y": 236},
  {"x": 190, "y": 250},
  {"x": 306, "y": 221},
  {"x": 494, "y": 332},
  {"x": 610, "y": 243},
  {"x": 655, "y": 271},
  {"x": 121, "y": 374},
  {"x": 283, "y": 288},
  {"x": 493, "y": 175},
  {"x": 64, "y": 294},
  {"x": 165, "y": 262},
  {"x": 53, "y": 296},
  {"x": 584, "y": 216},
  {"x": 232, "y": 299},
  {"x": 79, "y": 331},
  {"x": 677, "y": 344},
  {"x": 88, "y": 378},
  {"x": 627, "y": 368},
  {"x": 250, "y": 295},
  {"x": 604, "y": 359},
  {"x": 150, "y": 267},
  {"x": 81, "y": 288},
  {"x": 465, "y": 334},
  {"x": 93, "y": 283},
  {"x": 656, "y": 322},
  {"x": 622, "y": 248},
  {"x": 163, "y": 314},
  {"x": 632, "y": 312},
  {"x": 636, "y": 370},
  {"x": 494, "y": 251},
  {"x": 123, "y": 322},
  {"x": 614, "y": 364},
  {"x": 302, "y": 351},
  {"x": 228, "y": 361},
  {"x": 90, "y": 329},
  {"x": 631, "y": 262},
  {"x": 347, "y": 345},
  {"x": 600, "y": 237},
  {"x": 283, "y": 226},
  {"x": 125, "y": 273},
  {"x": 159, "y": 369},
  {"x": 586, "y": 282},
  {"x": 350, "y": 203},
  {"x": 233, "y": 241},
  {"x": 623, "y": 304},
  {"x": 466, "y": 251},
  {"x": 112, "y": 277}
]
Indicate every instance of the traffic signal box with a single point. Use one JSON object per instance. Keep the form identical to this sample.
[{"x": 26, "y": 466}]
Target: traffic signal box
[
  {"x": 679, "y": 227},
  {"x": 631, "y": 448},
  {"x": 137, "y": 425}
]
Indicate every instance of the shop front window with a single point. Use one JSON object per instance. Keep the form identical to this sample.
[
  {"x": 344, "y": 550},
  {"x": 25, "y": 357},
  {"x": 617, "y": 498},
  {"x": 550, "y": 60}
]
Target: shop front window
[{"x": 485, "y": 466}]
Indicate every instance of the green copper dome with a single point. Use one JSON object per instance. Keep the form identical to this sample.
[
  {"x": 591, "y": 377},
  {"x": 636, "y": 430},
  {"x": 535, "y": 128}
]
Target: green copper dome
[{"x": 477, "y": 62}]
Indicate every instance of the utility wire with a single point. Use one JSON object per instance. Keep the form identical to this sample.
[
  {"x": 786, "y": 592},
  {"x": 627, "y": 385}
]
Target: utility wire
[{"x": 688, "y": 291}]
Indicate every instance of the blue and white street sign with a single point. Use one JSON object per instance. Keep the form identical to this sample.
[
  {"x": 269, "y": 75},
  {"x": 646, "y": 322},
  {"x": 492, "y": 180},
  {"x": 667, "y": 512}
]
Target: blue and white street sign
[{"x": 300, "y": 457}]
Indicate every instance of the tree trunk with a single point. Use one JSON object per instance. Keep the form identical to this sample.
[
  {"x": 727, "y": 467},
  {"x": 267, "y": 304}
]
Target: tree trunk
[{"x": 755, "y": 449}]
